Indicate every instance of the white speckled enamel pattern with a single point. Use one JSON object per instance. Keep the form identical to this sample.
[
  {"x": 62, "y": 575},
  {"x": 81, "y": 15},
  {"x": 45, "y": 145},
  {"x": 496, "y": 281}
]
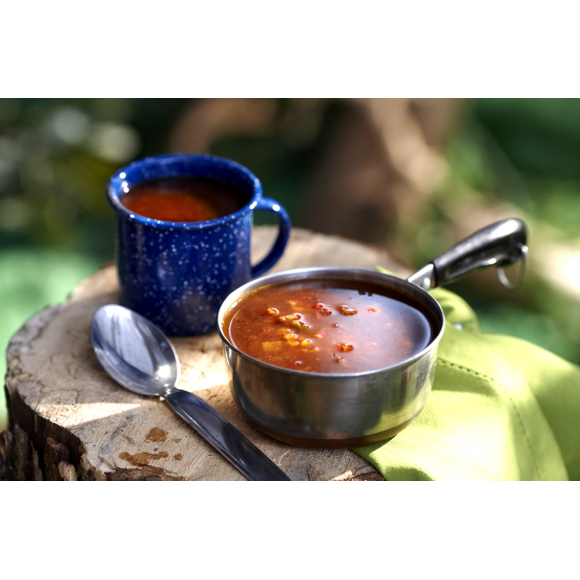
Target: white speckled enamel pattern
[{"x": 177, "y": 274}]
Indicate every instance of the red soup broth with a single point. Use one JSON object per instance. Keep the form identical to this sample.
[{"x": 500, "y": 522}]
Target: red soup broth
[
  {"x": 184, "y": 199},
  {"x": 327, "y": 326}
]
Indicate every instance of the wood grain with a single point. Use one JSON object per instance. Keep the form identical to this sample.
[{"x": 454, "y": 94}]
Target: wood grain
[{"x": 70, "y": 421}]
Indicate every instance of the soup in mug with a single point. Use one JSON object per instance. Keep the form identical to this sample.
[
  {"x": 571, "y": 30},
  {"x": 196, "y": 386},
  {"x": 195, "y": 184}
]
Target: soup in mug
[
  {"x": 327, "y": 326},
  {"x": 184, "y": 199}
]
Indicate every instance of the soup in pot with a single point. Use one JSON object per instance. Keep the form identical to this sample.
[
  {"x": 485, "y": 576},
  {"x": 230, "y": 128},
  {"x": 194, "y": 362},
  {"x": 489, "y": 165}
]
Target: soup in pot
[{"x": 327, "y": 326}]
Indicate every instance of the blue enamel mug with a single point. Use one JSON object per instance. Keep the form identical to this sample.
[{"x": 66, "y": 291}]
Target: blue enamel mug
[{"x": 177, "y": 274}]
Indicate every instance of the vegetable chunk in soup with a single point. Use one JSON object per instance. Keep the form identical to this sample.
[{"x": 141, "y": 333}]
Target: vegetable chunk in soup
[{"x": 326, "y": 326}]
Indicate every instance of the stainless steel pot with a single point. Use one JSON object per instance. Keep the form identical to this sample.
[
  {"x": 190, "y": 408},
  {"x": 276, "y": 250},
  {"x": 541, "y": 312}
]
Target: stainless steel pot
[{"x": 345, "y": 410}]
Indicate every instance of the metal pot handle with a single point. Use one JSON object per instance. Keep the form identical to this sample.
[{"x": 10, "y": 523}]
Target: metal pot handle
[{"x": 498, "y": 244}]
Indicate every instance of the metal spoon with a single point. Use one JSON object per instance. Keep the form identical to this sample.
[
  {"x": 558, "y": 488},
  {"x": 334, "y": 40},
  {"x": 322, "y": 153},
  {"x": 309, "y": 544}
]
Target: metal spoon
[{"x": 137, "y": 355}]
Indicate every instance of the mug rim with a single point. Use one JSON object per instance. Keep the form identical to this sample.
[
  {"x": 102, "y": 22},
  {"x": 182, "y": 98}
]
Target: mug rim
[{"x": 117, "y": 181}]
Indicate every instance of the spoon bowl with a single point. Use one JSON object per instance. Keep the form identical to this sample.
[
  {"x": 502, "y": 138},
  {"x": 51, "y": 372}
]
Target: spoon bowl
[
  {"x": 137, "y": 355},
  {"x": 134, "y": 352}
]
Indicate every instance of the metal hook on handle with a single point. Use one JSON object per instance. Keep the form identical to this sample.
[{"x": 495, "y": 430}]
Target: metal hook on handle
[{"x": 501, "y": 276}]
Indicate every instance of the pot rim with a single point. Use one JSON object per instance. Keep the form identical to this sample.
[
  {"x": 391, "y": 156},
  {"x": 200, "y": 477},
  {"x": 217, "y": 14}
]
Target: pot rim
[{"x": 330, "y": 272}]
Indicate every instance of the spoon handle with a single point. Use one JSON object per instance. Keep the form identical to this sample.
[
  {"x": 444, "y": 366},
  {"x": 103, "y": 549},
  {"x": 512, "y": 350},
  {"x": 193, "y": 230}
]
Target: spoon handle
[{"x": 220, "y": 433}]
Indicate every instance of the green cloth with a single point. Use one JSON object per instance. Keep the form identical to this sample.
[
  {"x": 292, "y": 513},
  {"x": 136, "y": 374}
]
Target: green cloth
[{"x": 501, "y": 409}]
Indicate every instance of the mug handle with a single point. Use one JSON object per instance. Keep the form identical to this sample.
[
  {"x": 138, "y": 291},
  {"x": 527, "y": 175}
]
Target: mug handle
[{"x": 284, "y": 226}]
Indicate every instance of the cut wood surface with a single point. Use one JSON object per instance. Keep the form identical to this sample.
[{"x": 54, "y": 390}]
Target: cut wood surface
[{"x": 70, "y": 421}]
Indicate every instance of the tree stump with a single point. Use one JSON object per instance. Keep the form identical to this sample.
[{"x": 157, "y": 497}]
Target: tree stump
[{"x": 70, "y": 421}]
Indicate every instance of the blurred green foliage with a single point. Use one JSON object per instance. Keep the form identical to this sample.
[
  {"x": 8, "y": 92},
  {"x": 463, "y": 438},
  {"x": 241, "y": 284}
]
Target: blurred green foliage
[
  {"x": 56, "y": 228},
  {"x": 523, "y": 152},
  {"x": 56, "y": 156}
]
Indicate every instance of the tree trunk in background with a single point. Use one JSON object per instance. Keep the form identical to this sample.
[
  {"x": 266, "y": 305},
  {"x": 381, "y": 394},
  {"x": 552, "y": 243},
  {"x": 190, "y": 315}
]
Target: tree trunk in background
[{"x": 378, "y": 168}]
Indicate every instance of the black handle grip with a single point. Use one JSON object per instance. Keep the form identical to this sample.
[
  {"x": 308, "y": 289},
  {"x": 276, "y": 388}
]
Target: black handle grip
[{"x": 499, "y": 244}]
